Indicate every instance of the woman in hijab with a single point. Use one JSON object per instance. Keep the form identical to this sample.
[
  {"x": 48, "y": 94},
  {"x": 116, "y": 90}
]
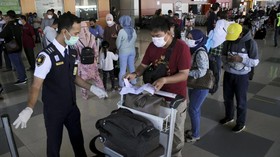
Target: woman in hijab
[
  {"x": 110, "y": 35},
  {"x": 126, "y": 45},
  {"x": 200, "y": 63},
  {"x": 111, "y": 32},
  {"x": 88, "y": 71}
]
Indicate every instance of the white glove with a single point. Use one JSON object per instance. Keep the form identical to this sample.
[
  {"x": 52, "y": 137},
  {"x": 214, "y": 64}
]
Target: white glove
[
  {"x": 23, "y": 117},
  {"x": 100, "y": 93}
]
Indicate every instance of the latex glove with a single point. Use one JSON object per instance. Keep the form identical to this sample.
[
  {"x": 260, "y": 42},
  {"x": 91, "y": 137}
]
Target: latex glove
[
  {"x": 23, "y": 117},
  {"x": 100, "y": 93}
]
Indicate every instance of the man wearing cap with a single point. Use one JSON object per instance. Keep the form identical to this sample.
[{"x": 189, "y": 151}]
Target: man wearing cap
[{"x": 239, "y": 55}]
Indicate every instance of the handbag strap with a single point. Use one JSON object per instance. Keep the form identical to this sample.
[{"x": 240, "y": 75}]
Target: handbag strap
[
  {"x": 195, "y": 54},
  {"x": 170, "y": 49},
  {"x": 83, "y": 43}
]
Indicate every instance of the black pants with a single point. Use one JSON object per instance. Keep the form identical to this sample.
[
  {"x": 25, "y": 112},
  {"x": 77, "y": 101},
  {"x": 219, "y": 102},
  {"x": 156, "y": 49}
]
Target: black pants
[
  {"x": 29, "y": 52},
  {"x": 71, "y": 119},
  {"x": 37, "y": 35},
  {"x": 276, "y": 33},
  {"x": 6, "y": 58},
  {"x": 236, "y": 85},
  {"x": 112, "y": 78}
]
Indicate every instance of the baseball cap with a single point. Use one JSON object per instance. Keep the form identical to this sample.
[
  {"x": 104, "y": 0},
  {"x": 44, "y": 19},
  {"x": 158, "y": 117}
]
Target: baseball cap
[{"x": 233, "y": 31}]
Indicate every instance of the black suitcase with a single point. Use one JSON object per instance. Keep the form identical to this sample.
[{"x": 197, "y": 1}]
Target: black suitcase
[
  {"x": 133, "y": 134},
  {"x": 260, "y": 34}
]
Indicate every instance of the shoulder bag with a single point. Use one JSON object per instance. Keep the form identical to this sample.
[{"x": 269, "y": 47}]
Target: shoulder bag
[
  {"x": 205, "y": 82},
  {"x": 152, "y": 72},
  {"x": 12, "y": 45}
]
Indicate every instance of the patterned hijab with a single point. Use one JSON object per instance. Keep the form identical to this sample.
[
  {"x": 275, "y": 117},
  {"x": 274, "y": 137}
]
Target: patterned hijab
[
  {"x": 86, "y": 38},
  {"x": 125, "y": 22}
]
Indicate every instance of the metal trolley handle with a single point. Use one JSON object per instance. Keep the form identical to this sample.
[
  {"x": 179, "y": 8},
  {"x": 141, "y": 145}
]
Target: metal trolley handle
[
  {"x": 176, "y": 99},
  {"x": 9, "y": 134}
]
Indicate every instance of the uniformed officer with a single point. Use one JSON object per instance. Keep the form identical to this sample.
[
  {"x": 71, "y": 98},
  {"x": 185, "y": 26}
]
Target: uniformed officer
[{"x": 56, "y": 70}]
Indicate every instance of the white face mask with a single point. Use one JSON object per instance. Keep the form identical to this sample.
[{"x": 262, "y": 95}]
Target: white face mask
[
  {"x": 190, "y": 43},
  {"x": 19, "y": 22},
  {"x": 159, "y": 41},
  {"x": 109, "y": 22},
  {"x": 49, "y": 16}
]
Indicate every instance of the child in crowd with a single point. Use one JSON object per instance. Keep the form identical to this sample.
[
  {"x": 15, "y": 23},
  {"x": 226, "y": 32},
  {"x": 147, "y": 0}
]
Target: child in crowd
[{"x": 106, "y": 64}]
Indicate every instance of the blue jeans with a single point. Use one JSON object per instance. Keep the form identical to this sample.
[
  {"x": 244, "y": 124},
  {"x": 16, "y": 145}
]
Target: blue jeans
[
  {"x": 18, "y": 65},
  {"x": 236, "y": 85},
  {"x": 126, "y": 59},
  {"x": 197, "y": 97}
]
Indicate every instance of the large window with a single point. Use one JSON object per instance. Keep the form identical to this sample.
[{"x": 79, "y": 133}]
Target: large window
[{"x": 87, "y": 9}]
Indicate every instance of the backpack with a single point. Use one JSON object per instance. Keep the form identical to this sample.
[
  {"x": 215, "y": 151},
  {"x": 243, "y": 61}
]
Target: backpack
[{"x": 87, "y": 54}]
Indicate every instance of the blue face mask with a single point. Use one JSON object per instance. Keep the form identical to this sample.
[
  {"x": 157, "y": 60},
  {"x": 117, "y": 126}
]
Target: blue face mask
[{"x": 72, "y": 41}]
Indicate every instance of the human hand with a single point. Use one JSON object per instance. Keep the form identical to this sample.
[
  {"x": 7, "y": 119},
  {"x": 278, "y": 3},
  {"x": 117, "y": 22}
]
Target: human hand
[
  {"x": 23, "y": 117},
  {"x": 159, "y": 83},
  {"x": 114, "y": 35},
  {"x": 131, "y": 76},
  {"x": 234, "y": 58},
  {"x": 100, "y": 93}
]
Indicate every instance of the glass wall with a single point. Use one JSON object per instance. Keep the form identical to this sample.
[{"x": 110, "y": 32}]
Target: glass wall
[
  {"x": 87, "y": 9},
  {"x": 43, "y": 5}
]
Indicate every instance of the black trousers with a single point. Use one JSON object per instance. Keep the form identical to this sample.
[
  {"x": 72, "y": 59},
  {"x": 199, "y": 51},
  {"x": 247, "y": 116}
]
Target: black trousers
[
  {"x": 54, "y": 122},
  {"x": 112, "y": 78},
  {"x": 29, "y": 52},
  {"x": 37, "y": 35},
  {"x": 6, "y": 58}
]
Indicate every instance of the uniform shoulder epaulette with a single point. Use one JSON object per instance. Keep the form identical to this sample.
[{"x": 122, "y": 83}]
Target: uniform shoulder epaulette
[{"x": 49, "y": 50}]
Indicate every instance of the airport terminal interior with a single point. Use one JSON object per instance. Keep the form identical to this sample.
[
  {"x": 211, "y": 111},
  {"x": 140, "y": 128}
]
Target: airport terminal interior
[{"x": 261, "y": 138}]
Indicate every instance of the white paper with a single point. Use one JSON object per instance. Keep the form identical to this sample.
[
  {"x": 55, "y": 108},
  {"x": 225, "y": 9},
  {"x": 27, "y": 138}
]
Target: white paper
[{"x": 129, "y": 88}]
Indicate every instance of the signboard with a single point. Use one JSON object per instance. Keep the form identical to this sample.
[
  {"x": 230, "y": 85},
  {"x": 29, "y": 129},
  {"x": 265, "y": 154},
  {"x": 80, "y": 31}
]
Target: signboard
[
  {"x": 6, "y": 5},
  {"x": 43, "y": 5}
]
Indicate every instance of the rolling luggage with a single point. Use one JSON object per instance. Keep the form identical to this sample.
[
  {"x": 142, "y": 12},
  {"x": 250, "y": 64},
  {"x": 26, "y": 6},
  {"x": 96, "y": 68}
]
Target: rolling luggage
[{"x": 134, "y": 135}]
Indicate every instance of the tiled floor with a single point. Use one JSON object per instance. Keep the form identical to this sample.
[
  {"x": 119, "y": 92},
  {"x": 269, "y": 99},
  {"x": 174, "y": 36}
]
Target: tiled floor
[{"x": 260, "y": 139}]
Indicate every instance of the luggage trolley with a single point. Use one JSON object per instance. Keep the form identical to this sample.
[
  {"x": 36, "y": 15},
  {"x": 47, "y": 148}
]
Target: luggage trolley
[{"x": 165, "y": 123}]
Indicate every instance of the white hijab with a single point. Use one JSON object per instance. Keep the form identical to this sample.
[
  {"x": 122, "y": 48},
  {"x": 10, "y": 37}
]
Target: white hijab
[
  {"x": 110, "y": 16},
  {"x": 218, "y": 34}
]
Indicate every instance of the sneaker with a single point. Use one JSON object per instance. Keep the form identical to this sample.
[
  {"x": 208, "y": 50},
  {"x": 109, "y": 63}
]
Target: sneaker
[
  {"x": 20, "y": 82},
  {"x": 238, "y": 128},
  {"x": 225, "y": 121},
  {"x": 189, "y": 139}
]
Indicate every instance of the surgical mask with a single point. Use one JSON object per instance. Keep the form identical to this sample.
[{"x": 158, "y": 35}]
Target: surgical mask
[
  {"x": 159, "y": 41},
  {"x": 49, "y": 16},
  {"x": 72, "y": 41},
  {"x": 56, "y": 29},
  {"x": 19, "y": 22},
  {"x": 190, "y": 43},
  {"x": 109, "y": 22}
]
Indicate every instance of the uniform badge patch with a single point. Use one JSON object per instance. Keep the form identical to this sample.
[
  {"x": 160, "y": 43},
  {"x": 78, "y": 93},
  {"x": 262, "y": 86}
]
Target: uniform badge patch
[{"x": 40, "y": 59}]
